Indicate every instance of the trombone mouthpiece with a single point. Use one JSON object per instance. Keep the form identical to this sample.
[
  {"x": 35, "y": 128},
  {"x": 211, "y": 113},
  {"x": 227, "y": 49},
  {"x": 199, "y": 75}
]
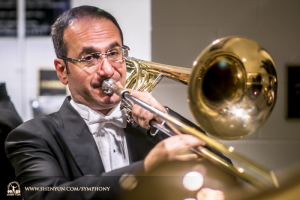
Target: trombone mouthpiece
[{"x": 107, "y": 86}]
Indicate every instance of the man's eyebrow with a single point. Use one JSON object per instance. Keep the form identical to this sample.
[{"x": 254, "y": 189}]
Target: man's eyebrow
[
  {"x": 114, "y": 44},
  {"x": 87, "y": 50}
]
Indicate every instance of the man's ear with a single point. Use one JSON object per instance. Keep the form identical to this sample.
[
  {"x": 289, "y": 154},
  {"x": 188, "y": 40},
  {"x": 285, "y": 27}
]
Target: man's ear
[{"x": 61, "y": 70}]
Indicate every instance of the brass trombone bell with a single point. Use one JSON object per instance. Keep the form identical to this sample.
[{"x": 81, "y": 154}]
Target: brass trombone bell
[{"x": 232, "y": 87}]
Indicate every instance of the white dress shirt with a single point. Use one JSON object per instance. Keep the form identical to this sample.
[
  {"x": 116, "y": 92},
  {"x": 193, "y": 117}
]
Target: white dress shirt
[{"x": 108, "y": 133}]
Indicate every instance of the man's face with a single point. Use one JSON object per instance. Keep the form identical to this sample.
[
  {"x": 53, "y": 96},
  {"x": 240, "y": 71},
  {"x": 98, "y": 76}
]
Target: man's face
[{"x": 86, "y": 36}]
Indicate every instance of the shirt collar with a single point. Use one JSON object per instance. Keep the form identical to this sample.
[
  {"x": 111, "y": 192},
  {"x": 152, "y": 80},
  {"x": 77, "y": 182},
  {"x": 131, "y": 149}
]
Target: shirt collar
[{"x": 89, "y": 114}]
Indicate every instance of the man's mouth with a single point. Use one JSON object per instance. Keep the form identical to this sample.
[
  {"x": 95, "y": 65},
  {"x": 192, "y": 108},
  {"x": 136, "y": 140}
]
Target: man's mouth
[{"x": 99, "y": 86}]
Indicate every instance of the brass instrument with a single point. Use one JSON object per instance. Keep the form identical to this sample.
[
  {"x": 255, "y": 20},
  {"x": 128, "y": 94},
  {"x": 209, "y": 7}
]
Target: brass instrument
[{"x": 232, "y": 89}]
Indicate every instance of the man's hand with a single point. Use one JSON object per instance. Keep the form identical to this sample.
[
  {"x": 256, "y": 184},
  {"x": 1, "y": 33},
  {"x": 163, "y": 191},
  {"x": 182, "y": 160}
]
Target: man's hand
[
  {"x": 171, "y": 149},
  {"x": 142, "y": 116}
]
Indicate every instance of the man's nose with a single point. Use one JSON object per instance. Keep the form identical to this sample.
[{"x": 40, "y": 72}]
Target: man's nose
[{"x": 106, "y": 69}]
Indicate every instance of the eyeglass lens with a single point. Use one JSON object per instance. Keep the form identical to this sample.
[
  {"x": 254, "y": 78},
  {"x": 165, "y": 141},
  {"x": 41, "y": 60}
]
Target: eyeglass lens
[{"x": 113, "y": 55}]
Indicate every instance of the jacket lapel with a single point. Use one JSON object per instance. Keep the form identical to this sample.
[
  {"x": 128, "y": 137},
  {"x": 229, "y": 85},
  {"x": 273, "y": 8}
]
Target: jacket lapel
[{"x": 79, "y": 142}]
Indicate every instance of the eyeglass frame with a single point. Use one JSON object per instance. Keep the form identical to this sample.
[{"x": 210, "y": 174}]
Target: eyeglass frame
[{"x": 100, "y": 56}]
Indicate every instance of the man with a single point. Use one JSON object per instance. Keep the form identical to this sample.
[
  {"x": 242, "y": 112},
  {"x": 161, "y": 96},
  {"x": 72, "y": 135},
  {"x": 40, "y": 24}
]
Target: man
[
  {"x": 9, "y": 119},
  {"x": 74, "y": 148}
]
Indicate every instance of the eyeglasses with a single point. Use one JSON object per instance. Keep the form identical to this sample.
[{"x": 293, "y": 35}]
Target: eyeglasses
[{"x": 116, "y": 54}]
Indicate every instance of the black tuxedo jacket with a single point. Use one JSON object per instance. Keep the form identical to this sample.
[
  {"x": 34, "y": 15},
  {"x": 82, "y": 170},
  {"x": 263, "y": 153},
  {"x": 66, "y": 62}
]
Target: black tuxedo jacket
[{"x": 58, "y": 150}]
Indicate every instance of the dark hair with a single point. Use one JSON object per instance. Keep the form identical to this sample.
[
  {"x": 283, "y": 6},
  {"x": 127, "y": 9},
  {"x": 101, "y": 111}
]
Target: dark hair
[{"x": 63, "y": 21}]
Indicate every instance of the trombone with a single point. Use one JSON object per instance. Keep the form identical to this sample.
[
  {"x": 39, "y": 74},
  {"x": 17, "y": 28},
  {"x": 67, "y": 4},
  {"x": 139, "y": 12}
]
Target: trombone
[{"x": 232, "y": 89}]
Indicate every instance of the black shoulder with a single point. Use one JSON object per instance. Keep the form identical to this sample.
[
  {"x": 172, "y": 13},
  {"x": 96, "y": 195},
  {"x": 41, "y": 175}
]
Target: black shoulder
[{"x": 41, "y": 125}]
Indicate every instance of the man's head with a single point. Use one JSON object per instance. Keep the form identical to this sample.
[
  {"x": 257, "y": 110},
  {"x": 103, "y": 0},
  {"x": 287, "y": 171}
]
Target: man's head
[
  {"x": 63, "y": 21},
  {"x": 77, "y": 34}
]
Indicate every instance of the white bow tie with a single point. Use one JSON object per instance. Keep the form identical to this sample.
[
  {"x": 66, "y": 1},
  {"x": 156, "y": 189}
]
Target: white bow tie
[{"x": 97, "y": 121}]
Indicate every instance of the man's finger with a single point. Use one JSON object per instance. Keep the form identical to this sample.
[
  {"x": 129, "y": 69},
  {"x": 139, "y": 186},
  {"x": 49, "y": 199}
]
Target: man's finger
[
  {"x": 185, "y": 141},
  {"x": 187, "y": 157}
]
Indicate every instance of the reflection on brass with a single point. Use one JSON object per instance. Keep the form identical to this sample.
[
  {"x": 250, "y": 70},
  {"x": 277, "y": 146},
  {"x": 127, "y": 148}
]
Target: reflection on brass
[
  {"x": 232, "y": 89},
  {"x": 128, "y": 181},
  {"x": 289, "y": 189}
]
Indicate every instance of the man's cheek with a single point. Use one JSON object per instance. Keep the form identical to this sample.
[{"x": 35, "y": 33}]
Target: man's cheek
[
  {"x": 123, "y": 82},
  {"x": 122, "y": 79}
]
